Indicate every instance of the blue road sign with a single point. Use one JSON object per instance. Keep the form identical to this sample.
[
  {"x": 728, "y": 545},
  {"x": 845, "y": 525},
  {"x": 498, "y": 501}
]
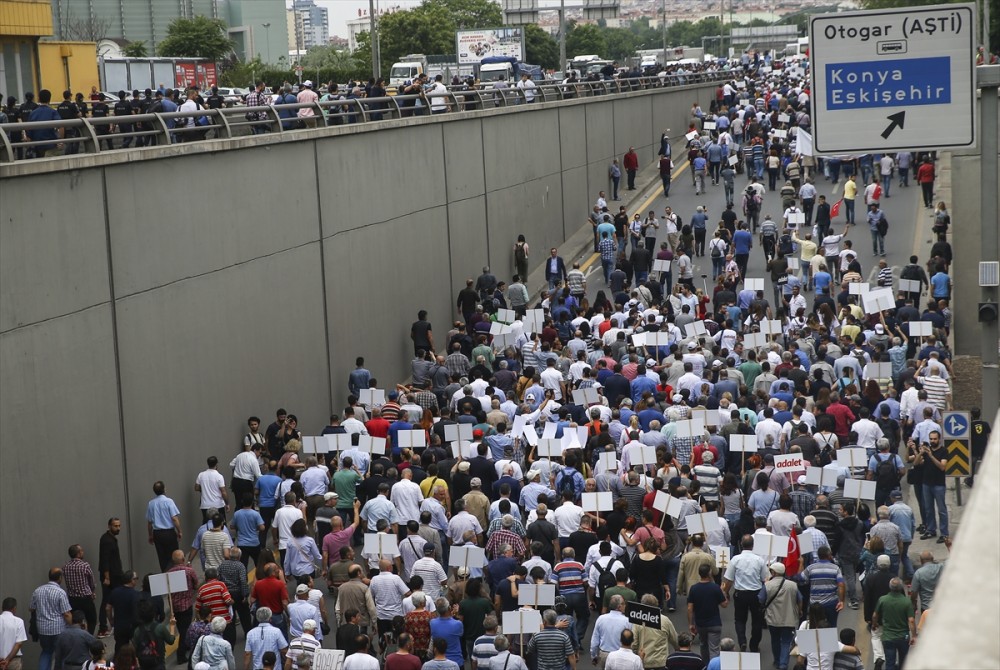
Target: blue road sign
[{"x": 956, "y": 425}]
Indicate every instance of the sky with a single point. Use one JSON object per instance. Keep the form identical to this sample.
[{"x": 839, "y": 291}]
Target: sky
[{"x": 342, "y": 11}]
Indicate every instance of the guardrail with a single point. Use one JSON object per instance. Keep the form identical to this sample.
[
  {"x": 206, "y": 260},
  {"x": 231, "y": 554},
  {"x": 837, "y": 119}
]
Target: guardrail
[{"x": 20, "y": 141}]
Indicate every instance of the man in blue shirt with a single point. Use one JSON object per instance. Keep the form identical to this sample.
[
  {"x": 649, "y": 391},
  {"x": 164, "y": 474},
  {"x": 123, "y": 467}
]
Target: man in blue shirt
[
  {"x": 742, "y": 244},
  {"x": 699, "y": 224},
  {"x": 699, "y": 165},
  {"x": 248, "y": 524},
  {"x": 266, "y": 488},
  {"x": 714, "y": 153},
  {"x": 43, "y": 113},
  {"x": 163, "y": 521}
]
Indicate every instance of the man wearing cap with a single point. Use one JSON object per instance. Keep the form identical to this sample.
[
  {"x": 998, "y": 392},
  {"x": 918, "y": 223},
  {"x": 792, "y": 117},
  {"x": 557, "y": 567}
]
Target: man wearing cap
[
  {"x": 476, "y": 502},
  {"x": 746, "y": 573},
  {"x": 534, "y": 488},
  {"x": 301, "y": 610},
  {"x": 781, "y": 600},
  {"x": 303, "y": 647},
  {"x": 307, "y": 96}
]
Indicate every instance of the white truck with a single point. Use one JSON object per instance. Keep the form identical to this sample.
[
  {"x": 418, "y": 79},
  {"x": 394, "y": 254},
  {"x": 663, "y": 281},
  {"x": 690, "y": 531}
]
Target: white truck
[{"x": 408, "y": 68}]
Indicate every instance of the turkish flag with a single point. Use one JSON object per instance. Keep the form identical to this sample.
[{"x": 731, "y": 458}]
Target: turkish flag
[
  {"x": 792, "y": 559},
  {"x": 835, "y": 210}
]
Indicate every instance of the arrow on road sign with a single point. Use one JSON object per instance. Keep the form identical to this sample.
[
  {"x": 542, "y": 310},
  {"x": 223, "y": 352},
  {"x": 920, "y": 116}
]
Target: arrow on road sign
[
  {"x": 958, "y": 458},
  {"x": 897, "y": 120}
]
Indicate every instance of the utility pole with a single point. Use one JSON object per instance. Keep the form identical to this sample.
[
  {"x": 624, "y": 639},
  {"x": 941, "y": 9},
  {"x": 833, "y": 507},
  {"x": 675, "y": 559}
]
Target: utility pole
[
  {"x": 663, "y": 29},
  {"x": 562, "y": 37},
  {"x": 373, "y": 34},
  {"x": 267, "y": 39},
  {"x": 989, "y": 85},
  {"x": 986, "y": 28}
]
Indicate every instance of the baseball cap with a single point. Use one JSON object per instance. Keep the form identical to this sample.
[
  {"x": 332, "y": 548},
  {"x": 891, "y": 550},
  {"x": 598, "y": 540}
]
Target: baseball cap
[
  {"x": 428, "y": 548},
  {"x": 329, "y": 495},
  {"x": 309, "y": 624},
  {"x": 302, "y": 588},
  {"x": 650, "y": 361},
  {"x": 716, "y": 363},
  {"x": 801, "y": 480},
  {"x": 677, "y": 397},
  {"x": 478, "y": 432},
  {"x": 896, "y": 494},
  {"x": 879, "y": 328},
  {"x": 393, "y": 395},
  {"x": 463, "y": 466},
  {"x": 462, "y": 572},
  {"x": 692, "y": 346},
  {"x": 883, "y": 561},
  {"x": 778, "y": 568},
  {"x": 308, "y": 83},
  {"x": 476, "y": 482},
  {"x": 530, "y": 397}
]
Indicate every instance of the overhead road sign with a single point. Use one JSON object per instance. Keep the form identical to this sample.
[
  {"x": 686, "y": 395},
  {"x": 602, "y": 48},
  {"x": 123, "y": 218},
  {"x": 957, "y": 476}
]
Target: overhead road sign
[{"x": 896, "y": 79}]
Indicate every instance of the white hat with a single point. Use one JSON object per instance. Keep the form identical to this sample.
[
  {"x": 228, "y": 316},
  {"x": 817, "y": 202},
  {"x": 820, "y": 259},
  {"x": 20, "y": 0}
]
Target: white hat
[
  {"x": 879, "y": 328},
  {"x": 692, "y": 345},
  {"x": 308, "y": 83},
  {"x": 309, "y": 624},
  {"x": 302, "y": 588},
  {"x": 329, "y": 495}
]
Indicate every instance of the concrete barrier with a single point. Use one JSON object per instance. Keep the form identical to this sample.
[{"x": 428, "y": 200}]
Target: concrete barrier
[{"x": 151, "y": 300}]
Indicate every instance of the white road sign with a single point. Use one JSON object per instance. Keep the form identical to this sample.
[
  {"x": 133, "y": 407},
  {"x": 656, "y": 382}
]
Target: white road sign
[{"x": 894, "y": 79}]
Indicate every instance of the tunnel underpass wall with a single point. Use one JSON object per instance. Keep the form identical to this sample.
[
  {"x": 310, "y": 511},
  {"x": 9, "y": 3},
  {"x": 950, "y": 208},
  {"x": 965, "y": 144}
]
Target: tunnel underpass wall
[{"x": 151, "y": 300}]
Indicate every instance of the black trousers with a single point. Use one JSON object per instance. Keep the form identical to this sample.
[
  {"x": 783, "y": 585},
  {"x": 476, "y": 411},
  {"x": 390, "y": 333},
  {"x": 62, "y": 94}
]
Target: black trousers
[
  {"x": 241, "y": 488},
  {"x": 166, "y": 544},
  {"x": 103, "y": 614},
  {"x": 631, "y": 179},
  {"x": 266, "y": 513},
  {"x": 89, "y": 609},
  {"x": 747, "y": 604},
  {"x": 184, "y": 620}
]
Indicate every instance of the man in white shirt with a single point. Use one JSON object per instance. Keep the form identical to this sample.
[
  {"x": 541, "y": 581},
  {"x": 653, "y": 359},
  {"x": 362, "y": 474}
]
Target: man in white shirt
[
  {"x": 868, "y": 431},
  {"x": 437, "y": 95},
  {"x": 352, "y": 425},
  {"x": 552, "y": 380},
  {"x": 527, "y": 87},
  {"x": 407, "y": 496},
  {"x": 212, "y": 487},
  {"x": 767, "y": 427},
  {"x": 12, "y": 635},
  {"x": 284, "y": 517},
  {"x": 566, "y": 517},
  {"x": 624, "y": 658}
]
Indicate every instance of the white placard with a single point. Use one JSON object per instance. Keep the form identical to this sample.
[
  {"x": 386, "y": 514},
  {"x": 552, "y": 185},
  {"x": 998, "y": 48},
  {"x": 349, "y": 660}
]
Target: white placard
[
  {"x": 530, "y": 435},
  {"x": 313, "y": 445},
  {"x": 602, "y": 501},
  {"x": 910, "y": 285},
  {"x": 467, "y": 556},
  {"x": 793, "y": 261},
  {"x": 771, "y": 327},
  {"x": 805, "y": 541},
  {"x": 533, "y": 320},
  {"x": 742, "y": 443},
  {"x": 754, "y": 340},
  {"x": 817, "y": 640},
  {"x": 693, "y": 135},
  {"x": 765, "y": 544},
  {"x": 744, "y": 103},
  {"x": 825, "y": 476},
  {"x": 753, "y": 284},
  {"x": 516, "y": 428},
  {"x": 858, "y": 288},
  {"x": 701, "y": 414},
  {"x": 380, "y": 544},
  {"x": 343, "y": 441},
  {"x": 690, "y": 428},
  {"x": 639, "y": 339},
  {"x": 168, "y": 582},
  {"x": 376, "y": 445},
  {"x": 742, "y": 84},
  {"x": 456, "y": 432},
  {"x": 783, "y": 118},
  {"x": 695, "y": 328},
  {"x": 536, "y": 594},
  {"x": 660, "y": 265},
  {"x": 571, "y": 439},
  {"x": 521, "y": 621},
  {"x": 497, "y": 328},
  {"x": 586, "y": 396},
  {"x": 702, "y": 523},
  {"x": 549, "y": 430},
  {"x": 504, "y": 340},
  {"x": 708, "y": 125},
  {"x": 878, "y": 371},
  {"x": 412, "y": 439},
  {"x": 722, "y": 557},
  {"x": 609, "y": 460},
  {"x": 328, "y": 659},
  {"x": 790, "y": 463},
  {"x": 733, "y": 160},
  {"x": 643, "y": 455},
  {"x": 462, "y": 448},
  {"x": 506, "y": 315},
  {"x": 371, "y": 397},
  {"x": 798, "y": 218},
  {"x": 738, "y": 660},
  {"x": 549, "y": 447},
  {"x": 859, "y": 489},
  {"x": 780, "y": 133},
  {"x": 921, "y": 328},
  {"x": 668, "y": 504},
  {"x": 878, "y": 300}
]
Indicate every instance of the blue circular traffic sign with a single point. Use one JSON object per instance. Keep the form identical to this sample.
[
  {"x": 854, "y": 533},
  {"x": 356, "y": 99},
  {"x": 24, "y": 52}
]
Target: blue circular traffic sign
[{"x": 956, "y": 425}]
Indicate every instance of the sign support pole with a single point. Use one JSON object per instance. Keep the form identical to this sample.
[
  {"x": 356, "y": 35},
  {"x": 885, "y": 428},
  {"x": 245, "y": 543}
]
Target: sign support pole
[{"x": 989, "y": 84}]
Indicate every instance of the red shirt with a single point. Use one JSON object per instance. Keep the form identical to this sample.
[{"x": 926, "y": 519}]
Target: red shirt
[
  {"x": 843, "y": 417},
  {"x": 216, "y": 596},
  {"x": 399, "y": 661},
  {"x": 925, "y": 173},
  {"x": 271, "y": 593},
  {"x": 631, "y": 161},
  {"x": 647, "y": 503},
  {"x": 377, "y": 427}
]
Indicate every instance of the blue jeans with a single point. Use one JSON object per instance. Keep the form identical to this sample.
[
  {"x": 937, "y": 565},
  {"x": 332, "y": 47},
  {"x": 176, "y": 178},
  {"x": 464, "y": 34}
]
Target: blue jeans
[
  {"x": 608, "y": 267},
  {"x": 666, "y": 282},
  {"x": 718, "y": 265},
  {"x": 904, "y": 558},
  {"x": 904, "y": 176},
  {"x": 758, "y": 167},
  {"x": 895, "y": 652},
  {"x": 673, "y": 570},
  {"x": 580, "y": 608},
  {"x": 831, "y": 613},
  {"x": 615, "y": 181},
  {"x": 781, "y": 644},
  {"x": 849, "y": 210},
  {"x": 935, "y": 495},
  {"x": 878, "y": 243},
  {"x": 641, "y": 276},
  {"x": 886, "y": 183},
  {"x": 48, "y": 644}
]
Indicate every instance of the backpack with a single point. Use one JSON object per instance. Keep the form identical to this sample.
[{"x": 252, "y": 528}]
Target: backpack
[
  {"x": 785, "y": 244},
  {"x": 882, "y": 226},
  {"x": 886, "y": 475},
  {"x": 519, "y": 255},
  {"x": 567, "y": 482},
  {"x": 716, "y": 250},
  {"x": 605, "y": 580},
  {"x": 147, "y": 649}
]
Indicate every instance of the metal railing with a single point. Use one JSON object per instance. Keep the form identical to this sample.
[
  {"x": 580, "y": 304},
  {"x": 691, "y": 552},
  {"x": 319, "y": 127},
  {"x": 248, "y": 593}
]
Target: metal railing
[{"x": 22, "y": 141}]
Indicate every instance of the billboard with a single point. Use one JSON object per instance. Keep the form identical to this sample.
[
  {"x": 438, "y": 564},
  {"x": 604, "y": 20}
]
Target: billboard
[{"x": 474, "y": 45}]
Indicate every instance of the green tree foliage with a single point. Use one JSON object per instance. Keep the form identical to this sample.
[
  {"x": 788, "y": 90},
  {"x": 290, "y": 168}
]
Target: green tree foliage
[
  {"x": 200, "y": 37},
  {"x": 135, "y": 50},
  {"x": 471, "y": 14},
  {"x": 586, "y": 39},
  {"x": 540, "y": 47},
  {"x": 621, "y": 44}
]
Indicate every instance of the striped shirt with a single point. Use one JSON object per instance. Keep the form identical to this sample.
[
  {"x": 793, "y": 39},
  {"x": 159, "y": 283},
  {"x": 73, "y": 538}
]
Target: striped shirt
[
  {"x": 570, "y": 576},
  {"x": 937, "y": 391},
  {"x": 302, "y": 647},
  {"x": 551, "y": 647},
  {"x": 634, "y": 495},
  {"x": 432, "y": 573},
  {"x": 823, "y": 578},
  {"x": 215, "y": 594},
  {"x": 708, "y": 476},
  {"x": 483, "y": 649},
  {"x": 387, "y": 592}
]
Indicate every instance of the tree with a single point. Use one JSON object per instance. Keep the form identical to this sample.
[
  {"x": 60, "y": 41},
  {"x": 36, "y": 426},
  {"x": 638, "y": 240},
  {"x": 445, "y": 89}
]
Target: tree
[
  {"x": 135, "y": 50},
  {"x": 427, "y": 29},
  {"x": 585, "y": 39},
  {"x": 621, "y": 44},
  {"x": 90, "y": 29},
  {"x": 470, "y": 14},
  {"x": 200, "y": 37},
  {"x": 540, "y": 48}
]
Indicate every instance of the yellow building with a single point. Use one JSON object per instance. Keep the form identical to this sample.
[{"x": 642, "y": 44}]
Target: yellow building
[{"x": 29, "y": 64}]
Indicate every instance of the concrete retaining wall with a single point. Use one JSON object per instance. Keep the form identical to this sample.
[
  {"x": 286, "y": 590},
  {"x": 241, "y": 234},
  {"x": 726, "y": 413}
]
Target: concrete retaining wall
[{"x": 151, "y": 300}]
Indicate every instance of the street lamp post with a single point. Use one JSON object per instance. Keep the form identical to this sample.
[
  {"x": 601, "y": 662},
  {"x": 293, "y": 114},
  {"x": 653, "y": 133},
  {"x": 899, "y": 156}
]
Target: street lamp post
[{"x": 267, "y": 38}]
